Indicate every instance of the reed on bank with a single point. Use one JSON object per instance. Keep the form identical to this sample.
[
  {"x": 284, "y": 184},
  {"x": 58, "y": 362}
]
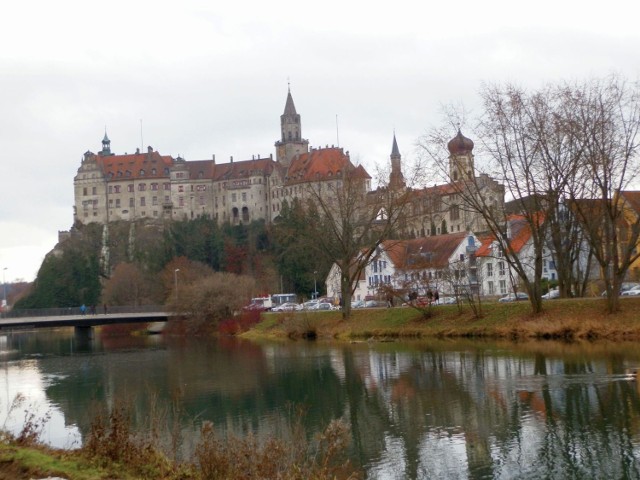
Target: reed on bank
[{"x": 113, "y": 449}]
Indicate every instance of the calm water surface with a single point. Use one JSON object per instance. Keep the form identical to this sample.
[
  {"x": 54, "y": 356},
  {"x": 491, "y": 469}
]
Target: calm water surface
[{"x": 416, "y": 410}]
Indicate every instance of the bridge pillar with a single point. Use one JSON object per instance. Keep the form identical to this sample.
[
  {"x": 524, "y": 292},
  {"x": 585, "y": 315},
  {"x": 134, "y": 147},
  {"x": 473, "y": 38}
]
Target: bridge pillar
[{"x": 83, "y": 334}]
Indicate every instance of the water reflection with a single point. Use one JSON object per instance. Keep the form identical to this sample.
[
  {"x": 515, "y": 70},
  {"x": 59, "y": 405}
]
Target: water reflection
[{"x": 416, "y": 410}]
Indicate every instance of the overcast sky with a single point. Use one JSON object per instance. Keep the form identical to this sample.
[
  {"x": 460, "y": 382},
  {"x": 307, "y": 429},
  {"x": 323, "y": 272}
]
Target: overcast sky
[{"x": 206, "y": 77}]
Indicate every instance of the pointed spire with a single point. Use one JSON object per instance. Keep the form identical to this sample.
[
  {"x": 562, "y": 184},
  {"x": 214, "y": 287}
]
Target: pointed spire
[
  {"x": 395, "y": 151},
  {"x": 289, "y": 107}
]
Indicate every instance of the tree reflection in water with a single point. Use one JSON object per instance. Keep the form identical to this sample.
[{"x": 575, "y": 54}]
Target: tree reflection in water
[{"x": 416, "y": 410}]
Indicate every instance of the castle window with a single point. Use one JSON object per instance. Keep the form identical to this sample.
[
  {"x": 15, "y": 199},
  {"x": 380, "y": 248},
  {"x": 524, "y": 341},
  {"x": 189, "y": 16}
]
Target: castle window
[
  {"x": 132, "y": 202},
  {"x": 117, "y": 203},
  {"x": 130, "y": 187},
  {"x": 154, "y": 187},
  {"x": 143, "y": 202},
  {"x": 153, "y": 171},
  {"x": 154, "y": 201},
  {"x": 84, "y": 191},
  {"x": 127, "y": 173},
  {"x": 166, "y": 186},
  {"x": 141, "y": 173},
  {"x": 142, "y": 187},
  {"x": 454, "y": 212}
]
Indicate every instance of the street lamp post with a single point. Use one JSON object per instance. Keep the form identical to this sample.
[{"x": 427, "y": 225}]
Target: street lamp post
[
  {"x": 4, "y": 285},
  {"x": 315, "y": 285},
  {"x": 175, "y": 280}
]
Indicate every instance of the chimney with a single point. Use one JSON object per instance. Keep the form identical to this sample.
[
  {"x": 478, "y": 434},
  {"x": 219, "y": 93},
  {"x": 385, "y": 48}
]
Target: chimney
[
  {"x": 137, "y": 151},
  {"x": 231, "y": 158},
  {"x": 149, "y": 149},
  {"x": 213, "y": 157}
]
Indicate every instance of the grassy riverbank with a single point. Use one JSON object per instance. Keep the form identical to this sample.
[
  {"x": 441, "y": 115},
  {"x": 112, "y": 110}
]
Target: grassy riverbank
[{"x": 568, "y": 319}]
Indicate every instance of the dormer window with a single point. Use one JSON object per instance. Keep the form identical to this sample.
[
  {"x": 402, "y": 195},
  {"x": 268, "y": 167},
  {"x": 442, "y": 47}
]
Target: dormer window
[{"x": 141, "y": 172}]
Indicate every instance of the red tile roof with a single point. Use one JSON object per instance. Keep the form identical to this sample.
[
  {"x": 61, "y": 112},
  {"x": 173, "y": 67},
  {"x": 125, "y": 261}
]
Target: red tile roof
[
  {"x": 321, "y": 164},
  {"x": 432, "y": 252},
  {"x": 632, "y": 197},
  {"x": 520, "y": 235},
  {"x": 115, "y": 167},
  {"x": 243, "y": 169}
]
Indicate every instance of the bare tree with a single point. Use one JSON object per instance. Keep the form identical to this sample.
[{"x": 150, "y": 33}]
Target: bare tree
[
  {"x": 348, "y": 223},
  {"x": 605, "y": 116},
  {"x": 513, "y": 151}
]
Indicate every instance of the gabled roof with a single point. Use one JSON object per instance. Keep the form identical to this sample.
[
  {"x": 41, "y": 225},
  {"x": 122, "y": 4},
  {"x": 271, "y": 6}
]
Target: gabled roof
[
  {"x": 520, "y": 235},
  {"x": 632, "y": 197},
  {"x": 321, "y": 164},
  {"x": 424, "y": 252}
]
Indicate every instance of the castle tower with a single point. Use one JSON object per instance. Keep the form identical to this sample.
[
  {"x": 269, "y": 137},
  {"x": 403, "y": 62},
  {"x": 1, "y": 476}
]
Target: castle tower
[
  {"x": 291, "y": 142},
  {"x": 460, "y": 158},
  {"x": 396, "y": 179}
]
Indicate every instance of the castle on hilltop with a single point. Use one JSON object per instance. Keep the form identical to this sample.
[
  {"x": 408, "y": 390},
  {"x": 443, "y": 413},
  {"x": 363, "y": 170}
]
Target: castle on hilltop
[{"x": 148, "y": 185}]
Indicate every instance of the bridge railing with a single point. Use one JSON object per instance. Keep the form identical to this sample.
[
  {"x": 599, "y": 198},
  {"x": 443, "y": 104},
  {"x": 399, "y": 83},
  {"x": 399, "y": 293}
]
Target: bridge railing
[{"x": 56, "y": 312}]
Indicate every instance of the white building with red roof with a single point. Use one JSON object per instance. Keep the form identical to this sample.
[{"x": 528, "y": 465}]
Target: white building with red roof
[
  {"x": 495, "y": 275},
  {"x": 414, "y": 265}
]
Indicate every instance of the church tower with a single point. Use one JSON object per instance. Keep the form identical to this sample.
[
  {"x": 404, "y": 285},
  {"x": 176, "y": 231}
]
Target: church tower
[
  {"x": 291, "y": 142},
  {"x": 460, "y": 158},
  {"x": 396, "y": 179}
]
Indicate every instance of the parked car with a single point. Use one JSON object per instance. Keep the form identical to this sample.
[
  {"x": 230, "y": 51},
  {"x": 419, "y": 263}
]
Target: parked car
[
  {"x": 624, "y": 287},
  {"x": 551, "y": 294},
  {"x": 322, "y": 306},
  {"x": 357, "y": 304},
  {"x": 446, "y": 301},
  {"x": 374, "y": 303},
  {"x": 287, "y": 307},
  {"x": 513, "y": 298},
  {"x": 633, "y": 292},
  {"x": 310, "y": 304}
]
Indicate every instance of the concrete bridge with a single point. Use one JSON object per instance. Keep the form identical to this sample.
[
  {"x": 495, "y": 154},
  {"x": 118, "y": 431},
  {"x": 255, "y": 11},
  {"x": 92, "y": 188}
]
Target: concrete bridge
[{"x": 82, "y": 322}]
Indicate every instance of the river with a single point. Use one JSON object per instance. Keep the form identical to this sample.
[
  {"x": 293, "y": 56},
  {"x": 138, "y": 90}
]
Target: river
[{"x": 436, "y": 409}]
